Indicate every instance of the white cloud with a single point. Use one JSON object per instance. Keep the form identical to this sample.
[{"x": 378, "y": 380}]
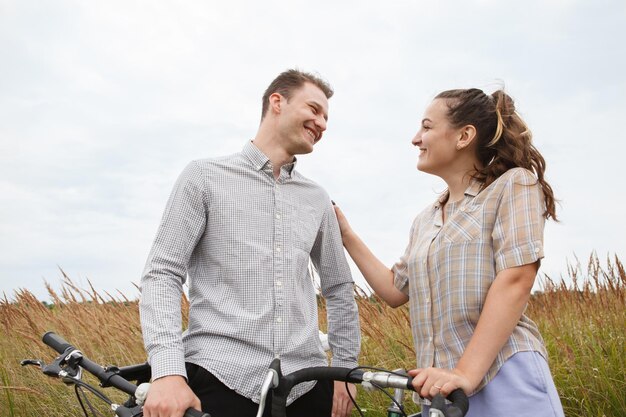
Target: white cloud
[{"x": 103, "y": 104}]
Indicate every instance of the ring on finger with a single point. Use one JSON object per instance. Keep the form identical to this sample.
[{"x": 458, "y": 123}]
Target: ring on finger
[{"x": 437, "y": 386}]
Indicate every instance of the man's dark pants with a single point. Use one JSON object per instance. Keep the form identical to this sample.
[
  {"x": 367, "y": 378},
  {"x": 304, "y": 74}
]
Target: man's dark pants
[{"x": 220, "y": 401}]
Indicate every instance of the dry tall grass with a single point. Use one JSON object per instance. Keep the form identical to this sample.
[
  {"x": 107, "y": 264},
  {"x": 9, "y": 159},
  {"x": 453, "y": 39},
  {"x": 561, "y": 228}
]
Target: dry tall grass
[
  {"x": 584, "y": 325},
  {"x": 106, "y": 329}
]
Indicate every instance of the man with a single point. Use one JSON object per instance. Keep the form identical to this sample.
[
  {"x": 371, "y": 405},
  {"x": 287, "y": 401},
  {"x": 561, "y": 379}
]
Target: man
[{"x": 243, "y": 228}]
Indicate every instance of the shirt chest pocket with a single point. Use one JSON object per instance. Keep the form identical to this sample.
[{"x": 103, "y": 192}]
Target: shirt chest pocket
[
  {"x": 303, "y": 227},
  {"x": 464, "y": 225}
]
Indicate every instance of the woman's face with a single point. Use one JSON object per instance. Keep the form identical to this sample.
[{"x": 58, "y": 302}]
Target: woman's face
[{"x": 436, "y": 140}]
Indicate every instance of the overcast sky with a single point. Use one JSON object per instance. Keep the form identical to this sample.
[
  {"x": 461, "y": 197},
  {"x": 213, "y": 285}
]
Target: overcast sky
[{"x": 102, "y": 104}]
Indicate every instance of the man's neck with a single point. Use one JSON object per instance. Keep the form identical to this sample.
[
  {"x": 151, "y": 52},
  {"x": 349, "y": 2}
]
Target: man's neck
[{"x": 270, "y": 146}]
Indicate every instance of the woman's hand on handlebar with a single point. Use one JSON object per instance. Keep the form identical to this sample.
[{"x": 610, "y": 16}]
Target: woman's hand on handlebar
[
  {"x": 170, "y": 396},
  {"x": 428, "y": 382}
]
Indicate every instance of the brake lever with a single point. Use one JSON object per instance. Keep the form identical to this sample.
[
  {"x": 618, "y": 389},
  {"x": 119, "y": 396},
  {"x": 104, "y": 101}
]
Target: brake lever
[
  {"x": 54, "y": 369},
  {"x": 62, "y": 367},
  {"x": 34, "y": 362}
]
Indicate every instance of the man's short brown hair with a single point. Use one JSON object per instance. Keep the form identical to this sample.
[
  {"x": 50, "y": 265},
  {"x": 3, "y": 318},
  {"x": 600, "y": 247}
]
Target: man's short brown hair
[{"x": 289, "y": 81}]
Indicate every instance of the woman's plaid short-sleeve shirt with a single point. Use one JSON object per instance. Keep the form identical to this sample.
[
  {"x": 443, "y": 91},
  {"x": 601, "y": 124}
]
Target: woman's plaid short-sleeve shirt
[{"x": 448, "y": 267}]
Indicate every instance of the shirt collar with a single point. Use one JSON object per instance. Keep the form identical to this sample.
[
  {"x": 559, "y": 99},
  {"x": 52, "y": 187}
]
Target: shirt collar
[
  {"x": 255, "y": 156},
  {"x": 260, "y": 161},
  {"x": 472, "y": 190}
]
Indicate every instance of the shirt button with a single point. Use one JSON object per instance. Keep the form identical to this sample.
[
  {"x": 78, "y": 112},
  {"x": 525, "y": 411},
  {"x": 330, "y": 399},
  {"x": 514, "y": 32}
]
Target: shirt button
[
  {"x": 537, "y": 250},
  {"x": 428, "y": 299},
  {"x": 424, "y": 262},
  {"x": 277, "y": 216},
  {"x": 430, "y": 339},
  {"x": 279, "y": 283},
  {"x": 462, "y": 208},
  {"x": 277, "y": 248},
  {"x": 278, "y": 319}
]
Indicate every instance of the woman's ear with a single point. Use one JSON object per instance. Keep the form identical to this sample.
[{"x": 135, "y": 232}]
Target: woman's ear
[{"x": 467, "y": 135}]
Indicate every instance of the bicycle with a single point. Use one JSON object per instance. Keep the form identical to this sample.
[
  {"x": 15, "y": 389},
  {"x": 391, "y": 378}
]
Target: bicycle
[{"x": 69, "y": 365}]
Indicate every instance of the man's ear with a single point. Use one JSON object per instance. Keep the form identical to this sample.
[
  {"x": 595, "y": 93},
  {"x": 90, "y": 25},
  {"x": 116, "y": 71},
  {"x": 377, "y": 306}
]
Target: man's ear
[
  {"x": 275, "y": 102},
  {"x": 467, "y": 134}
]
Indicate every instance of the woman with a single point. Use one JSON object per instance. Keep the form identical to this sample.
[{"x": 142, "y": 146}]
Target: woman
[{"x": 472, "y": 259}]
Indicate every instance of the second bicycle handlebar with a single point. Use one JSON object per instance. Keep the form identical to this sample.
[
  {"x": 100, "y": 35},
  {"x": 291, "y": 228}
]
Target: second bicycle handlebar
[{"x": 458, "y": 407}]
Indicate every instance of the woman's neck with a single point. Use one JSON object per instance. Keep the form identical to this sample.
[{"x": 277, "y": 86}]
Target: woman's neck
[{"x": 457, "y": 184}]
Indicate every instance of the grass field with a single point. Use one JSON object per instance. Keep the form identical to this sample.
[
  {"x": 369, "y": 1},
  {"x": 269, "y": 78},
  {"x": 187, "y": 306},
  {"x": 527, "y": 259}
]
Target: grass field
[{"x": 583, "y": 323}]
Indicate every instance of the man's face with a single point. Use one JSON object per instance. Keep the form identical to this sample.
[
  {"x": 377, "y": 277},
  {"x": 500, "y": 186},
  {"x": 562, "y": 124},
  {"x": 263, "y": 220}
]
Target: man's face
[{"x": 302, "y": 119}]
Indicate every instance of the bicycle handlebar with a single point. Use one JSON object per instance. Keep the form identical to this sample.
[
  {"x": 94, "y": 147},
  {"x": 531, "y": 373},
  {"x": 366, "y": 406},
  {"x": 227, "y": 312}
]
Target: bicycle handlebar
[
  {"x": 59, "y": 344},
  {"x": 458, "y": 407}
]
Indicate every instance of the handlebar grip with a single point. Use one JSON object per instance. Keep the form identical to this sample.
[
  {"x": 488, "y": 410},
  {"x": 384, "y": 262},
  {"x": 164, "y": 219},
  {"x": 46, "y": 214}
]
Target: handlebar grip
[
  {"x": 56, "y": 342},
  {"x": 460, "y": 403},
  {"x": 192, "y": 412}
]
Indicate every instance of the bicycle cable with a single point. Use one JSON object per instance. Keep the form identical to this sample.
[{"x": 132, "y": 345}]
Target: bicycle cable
[
  {"x": 79, "y": 388},
  {"x": 93, "y": 390},
  {"x": 371, "y": 368},
  {"x": 400, "y": 406},
  {"x": 80, "y": 391}
]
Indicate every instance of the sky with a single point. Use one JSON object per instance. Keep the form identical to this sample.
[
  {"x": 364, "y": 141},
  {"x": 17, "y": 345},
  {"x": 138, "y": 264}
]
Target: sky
[{"x": 102, "y": 104}]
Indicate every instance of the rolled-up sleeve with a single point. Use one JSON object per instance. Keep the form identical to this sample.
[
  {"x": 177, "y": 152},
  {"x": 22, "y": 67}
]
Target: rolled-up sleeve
[
  {"x": 337, "y": 287},
  {"x": 518, "y": 230},
  {"x": 181, "y": 227},
  {"x": 401, "y": 268}
]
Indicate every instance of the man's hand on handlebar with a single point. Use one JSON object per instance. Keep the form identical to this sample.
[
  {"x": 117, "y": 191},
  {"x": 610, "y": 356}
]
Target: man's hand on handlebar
[
  {"x": 342, "y": 405},
  {"x": 170, "y": 396}
]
